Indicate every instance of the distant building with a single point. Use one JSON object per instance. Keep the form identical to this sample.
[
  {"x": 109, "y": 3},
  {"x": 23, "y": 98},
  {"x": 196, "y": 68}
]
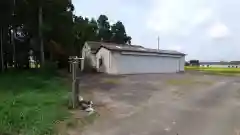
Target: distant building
[
  {"x": 221, "y": 64},
  {"x": 130, "y": 59},
  {"x": 89, "y": 54}
]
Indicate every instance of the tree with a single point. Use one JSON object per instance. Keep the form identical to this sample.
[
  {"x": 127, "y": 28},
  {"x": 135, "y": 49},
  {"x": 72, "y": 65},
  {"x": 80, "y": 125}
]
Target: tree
[
  {"x": 104, "y": 32},
  {"x": 51, "y": 30},
  {"x": 119, "y": 34},
  {"x": 83, "y": 31},
  {"x": 93, "y": 30},
  {"x": 5, "y": 13},
  {"x": 40, "y": 35},
  {"x": 194, "y": 62},
  {"x": 55, "y": 24}
]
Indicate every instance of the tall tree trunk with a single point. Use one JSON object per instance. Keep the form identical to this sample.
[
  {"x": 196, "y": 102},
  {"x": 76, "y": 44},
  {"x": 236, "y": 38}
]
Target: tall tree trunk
[
  {"x": 1, "y": 47},
  {"x": 40, "y": 19},
  {"x": 14, "y": 46},
  {"x": 13, "y": 32}
]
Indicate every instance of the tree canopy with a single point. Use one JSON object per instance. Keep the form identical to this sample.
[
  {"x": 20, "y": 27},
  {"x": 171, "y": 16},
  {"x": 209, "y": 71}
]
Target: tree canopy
[{"x": 25, "y": 23}]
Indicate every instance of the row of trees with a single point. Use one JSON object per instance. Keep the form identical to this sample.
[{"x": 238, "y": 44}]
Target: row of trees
[{"x": 50, "y": 30}]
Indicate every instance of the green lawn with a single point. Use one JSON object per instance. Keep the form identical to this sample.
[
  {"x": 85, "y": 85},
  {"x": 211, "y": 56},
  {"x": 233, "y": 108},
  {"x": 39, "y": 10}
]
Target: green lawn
[
  {"x": 215, "y": 70},
  {"x": 31, "y": 103}
]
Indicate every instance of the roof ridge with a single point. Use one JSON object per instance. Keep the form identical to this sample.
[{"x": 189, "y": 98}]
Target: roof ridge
[
  {"x": 111, "y": 43},
  {"x": 140, "y": 49}
]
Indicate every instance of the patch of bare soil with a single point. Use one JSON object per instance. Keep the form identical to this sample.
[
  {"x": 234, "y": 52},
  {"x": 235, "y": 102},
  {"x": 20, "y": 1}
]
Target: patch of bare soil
[{"x": 79, "y": 119}]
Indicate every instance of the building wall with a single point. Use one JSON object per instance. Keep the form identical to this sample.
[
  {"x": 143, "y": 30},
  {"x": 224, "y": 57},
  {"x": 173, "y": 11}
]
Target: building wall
[
  {"x": 114, "y": 64},
  {"x": 234, "y": 66},
  {"x": 89, "y": 58},
  {"x": 182, "y": 63},
  {"x": 133, "y": 64},
  {"x": 123, "y": 63},
  {"x": 105, "y": 55}
]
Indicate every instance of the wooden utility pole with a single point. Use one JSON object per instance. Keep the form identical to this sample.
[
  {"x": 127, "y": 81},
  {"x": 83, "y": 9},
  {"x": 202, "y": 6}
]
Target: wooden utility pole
[{"x": 40, "y": 22}]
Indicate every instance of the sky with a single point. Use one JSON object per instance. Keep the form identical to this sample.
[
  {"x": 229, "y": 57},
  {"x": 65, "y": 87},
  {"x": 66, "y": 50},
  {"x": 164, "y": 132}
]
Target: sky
[{"x": 207, "y": 30}]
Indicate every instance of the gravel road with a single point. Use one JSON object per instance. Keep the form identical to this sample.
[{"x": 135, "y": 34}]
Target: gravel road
[{"x": 167, "y": 104}]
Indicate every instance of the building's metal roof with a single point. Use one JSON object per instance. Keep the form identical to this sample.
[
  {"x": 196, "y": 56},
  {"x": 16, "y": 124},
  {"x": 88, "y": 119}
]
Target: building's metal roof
[
  {"x": 235, "y": 62},
  {"x": 214, "y": 63},
  {"x": 140, "y": 49},
  {"x": 95, "y": 46}
]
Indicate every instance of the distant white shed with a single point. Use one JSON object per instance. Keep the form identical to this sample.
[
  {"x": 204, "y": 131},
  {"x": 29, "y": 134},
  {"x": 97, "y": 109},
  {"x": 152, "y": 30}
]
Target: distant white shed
[{"x": 221, "y": 64}]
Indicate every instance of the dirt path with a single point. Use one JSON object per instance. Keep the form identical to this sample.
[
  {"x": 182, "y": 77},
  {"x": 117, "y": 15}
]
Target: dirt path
[{"x": 204, "y": 110}]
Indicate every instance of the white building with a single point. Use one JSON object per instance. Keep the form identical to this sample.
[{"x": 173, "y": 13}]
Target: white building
[
  {"x": 89, "y": 51},
  {"x": 89, "y": 54},
  {"x": 128, "y": 59},
  {"x": 221, "y": 64}
]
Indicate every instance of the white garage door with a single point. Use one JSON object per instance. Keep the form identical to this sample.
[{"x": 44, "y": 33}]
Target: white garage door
[{"x": 131, "y": 64}]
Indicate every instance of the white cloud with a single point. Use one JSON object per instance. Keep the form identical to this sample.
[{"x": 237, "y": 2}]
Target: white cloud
[
  {"x": 174, "y": 47},
  {"x": 218, "y": 31},
  {"x": 202, "y": 16},
  {"x": 178, "y": 17},
  {"x": 165, "y": 15}
]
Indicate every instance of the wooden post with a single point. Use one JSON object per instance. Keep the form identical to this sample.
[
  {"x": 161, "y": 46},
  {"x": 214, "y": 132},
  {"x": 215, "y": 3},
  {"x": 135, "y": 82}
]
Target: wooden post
[
  {"x": 74, "y": 88},
  {"x": 75, "y": 82}
]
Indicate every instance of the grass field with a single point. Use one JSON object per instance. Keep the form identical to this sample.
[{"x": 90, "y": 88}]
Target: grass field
[
  {"x": 214, "y": 70},
  {"x": 31, "y": 103}
]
